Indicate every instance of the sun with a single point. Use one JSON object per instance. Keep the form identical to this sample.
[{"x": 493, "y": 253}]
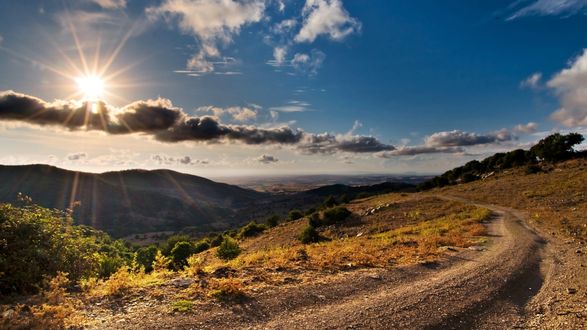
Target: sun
[{"x": 91, "y": 87}]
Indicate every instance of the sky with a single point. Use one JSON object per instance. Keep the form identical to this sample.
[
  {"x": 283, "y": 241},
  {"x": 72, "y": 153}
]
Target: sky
[{"x": 274, "y": 87}]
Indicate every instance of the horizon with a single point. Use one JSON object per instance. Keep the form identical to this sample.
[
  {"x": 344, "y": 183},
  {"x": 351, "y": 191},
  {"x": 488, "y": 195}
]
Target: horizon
[{"x": 275, "y": 88}]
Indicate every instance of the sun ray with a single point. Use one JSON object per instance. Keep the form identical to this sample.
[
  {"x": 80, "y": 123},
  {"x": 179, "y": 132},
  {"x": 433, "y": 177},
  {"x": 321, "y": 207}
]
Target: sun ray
[
  {"x": 115, "y": 53},
  {"x": 76, "y": 40}
]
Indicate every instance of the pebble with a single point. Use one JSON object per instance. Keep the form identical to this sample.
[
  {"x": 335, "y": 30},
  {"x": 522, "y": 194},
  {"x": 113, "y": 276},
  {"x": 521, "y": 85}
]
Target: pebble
[{"x": 571, "y": 290}]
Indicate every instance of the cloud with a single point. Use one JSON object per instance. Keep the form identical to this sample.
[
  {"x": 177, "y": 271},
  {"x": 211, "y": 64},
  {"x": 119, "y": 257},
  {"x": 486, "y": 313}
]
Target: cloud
[
  {"x": 279, "y": 54},
  {"x": 110, "y": 4},
  {"x": 240, "y": 114},
  {"x": 528, "y": 128},
  {"x": 163, "y": 159},
  {"x": 156, "y": 118},
  {"x": 459, "y": 138},
  {"x": 212, "y": 22},
  {"x": 1, "y": 39},
  {"x": 291, "y": 106},
  {"x": 267, "y": 159},
  {"x": 417, "y": 150},
  {"x": 327, "y": 143},
  {"x": 308, "y": 63},
  {"x": 532, "y": 82},
  {"x": 284, "y": 26},
  {"x": 550, "y": 7},
  {"x": 570, "y": 86},
  {"x": 77, "y": 156},
  {"x": 326, "y": 17}
]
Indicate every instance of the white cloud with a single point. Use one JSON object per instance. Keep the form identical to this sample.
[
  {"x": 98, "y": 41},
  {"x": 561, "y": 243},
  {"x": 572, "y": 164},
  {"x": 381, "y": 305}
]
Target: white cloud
[
  {"x": 570, "y": 86},
  {"x": 326, "y": 17},
  {"x": 241, "y": 114},
  {"x": 284, "y": 26},
  {"x": 1, "y": 39},
  {"x": 279, "y": 54},
  {"x": 528, "y": 128},
  {"x": 533, "y": 81},
  {"x": 291, "y": 106},
  {"x": 308, "y": 63},
  {"x": 110, "y": 4},
  {"x": 162, "y": 159},
  {"x": 212, "y": 22},
  {"x": 550, "y": 7}
]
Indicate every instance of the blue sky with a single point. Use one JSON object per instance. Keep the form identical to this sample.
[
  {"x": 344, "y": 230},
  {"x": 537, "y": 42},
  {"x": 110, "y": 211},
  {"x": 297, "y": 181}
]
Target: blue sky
[{"x": 314, "y": 86}]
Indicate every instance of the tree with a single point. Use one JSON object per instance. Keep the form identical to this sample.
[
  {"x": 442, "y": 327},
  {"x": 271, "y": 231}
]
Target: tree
[
  {"x": 251, "y": 229},
  {"x": 180, "y": 253},
  {"x": 171, "y": 242},
  {"x": 228, "y": 249},
  {"x": 329, "y": 201},
  {"x": 556, "y": 147}
]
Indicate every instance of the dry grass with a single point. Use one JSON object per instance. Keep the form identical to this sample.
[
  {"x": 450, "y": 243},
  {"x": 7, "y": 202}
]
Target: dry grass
[{"x": 555, "y": 200}]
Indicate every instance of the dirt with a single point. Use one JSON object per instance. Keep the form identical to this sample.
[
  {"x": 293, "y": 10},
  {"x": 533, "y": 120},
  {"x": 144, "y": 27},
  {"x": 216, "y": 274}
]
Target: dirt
[{"x": 520, "y": 279}]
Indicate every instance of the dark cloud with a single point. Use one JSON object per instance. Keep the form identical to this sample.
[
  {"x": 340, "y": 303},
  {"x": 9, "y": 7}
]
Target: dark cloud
[
  {"x": 77, "y": 156},
  {"x": 458, "y": 138},
  {"x": 267, "y": 159},
  {"x": 329, "y": 144},
  {"x": 418, "y": 150},
  {"x": 157, "y": 118},
  {"x": 67, "y": 114}
]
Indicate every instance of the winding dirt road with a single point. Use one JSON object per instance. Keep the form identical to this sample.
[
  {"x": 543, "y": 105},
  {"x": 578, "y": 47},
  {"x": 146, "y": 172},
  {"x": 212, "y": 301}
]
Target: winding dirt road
[{"x": 486, "y": 289}]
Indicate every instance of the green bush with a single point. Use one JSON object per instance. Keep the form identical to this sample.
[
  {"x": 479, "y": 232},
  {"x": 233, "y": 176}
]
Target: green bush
[
  {"x": 228, "y": 249},
  {"x": 329, "y": 201},
  {"x": 295, "y": 214},
  {"x": 180, "y": 254},
  {"x": 201, "y": 246},
  {"x": 216, "y": 240},
  {"x": 251, "y": 229},
  {"x": 335, "y": 215},
  {"x": 273, "y": 221},
  {"x": 172, "y": 241},
  {"x": 310, "y": 235},
  {"x": 37, "y": 242},
  {"x": 145, "y": 257},
  {"x": 533, "y": 169}
]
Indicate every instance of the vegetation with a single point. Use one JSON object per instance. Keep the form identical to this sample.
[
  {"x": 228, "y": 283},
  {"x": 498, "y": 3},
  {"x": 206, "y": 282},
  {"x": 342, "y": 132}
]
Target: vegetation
[
  {"x": 310, "y": 235},
  {"x": 145, "y": 257},
  {"x": 554, "y": 148},
  {"x": 228, "y": 249},
  {"x": 251, "y": 229},
  {"x": 273, "y": 221},
  {"x": 295, "y": 214},
  {"x": 37, "y": 243},
  {"x": 180, "y": 253}
]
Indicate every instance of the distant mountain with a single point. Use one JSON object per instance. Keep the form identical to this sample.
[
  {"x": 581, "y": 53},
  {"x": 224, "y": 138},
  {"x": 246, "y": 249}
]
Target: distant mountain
[{"x": 133, "y": 201}]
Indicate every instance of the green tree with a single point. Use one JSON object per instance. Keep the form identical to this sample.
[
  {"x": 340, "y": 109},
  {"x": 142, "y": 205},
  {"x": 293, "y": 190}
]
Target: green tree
[
  {"x": 251, "y": 229},
  {"x": 171, "y": 241},
  {"x": 329, "y": 201},
  {"x": 556, "y": 147}
]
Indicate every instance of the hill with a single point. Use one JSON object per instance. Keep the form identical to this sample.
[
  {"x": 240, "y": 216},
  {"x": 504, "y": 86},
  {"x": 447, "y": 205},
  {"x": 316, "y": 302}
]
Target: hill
[{"x": 133, "y": 201}]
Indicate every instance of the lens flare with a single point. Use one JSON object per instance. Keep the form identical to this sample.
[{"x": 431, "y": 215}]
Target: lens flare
[{"x": 91, "y": 87}]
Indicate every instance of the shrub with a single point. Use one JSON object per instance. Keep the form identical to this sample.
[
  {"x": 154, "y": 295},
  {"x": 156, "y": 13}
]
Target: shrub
[
  {"x": 227, "y": 289},
  {"x": 145, "y": 257},
  {"x": 295, "y": 214},
  {"x": 180, "y": 253},
  {"x": 273, "y": 221},
  {"x": 172, "y": 241},
  {"x": 329, "y": 201},
  {"x": 216, "y": 240},
  {"x": 533, "y": 169},
  {"x": 314, "y": 220},
  {"x": 556, "y": 147},
  {"x": 251, "y": 229},
  {"x": 335, "y": 215},
  {"x": 161, "y": 262},
  {"x": 36, "y": 242},
  {"x": 201, "y": 246},
  {"x": 310, "y": 235},
  {"x": 228, "y": 249}
]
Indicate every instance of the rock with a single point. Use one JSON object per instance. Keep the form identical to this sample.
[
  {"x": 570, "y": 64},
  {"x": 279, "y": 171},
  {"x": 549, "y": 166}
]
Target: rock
[
  {"x": 571, "y": 290},
  {"x": 375, "y": 277},
  {"x": 223, "y": 272},
  {"x": 360, "y": 234},
  {"x": 579, "y": 252},
  {"x": 181, "y": 282}
]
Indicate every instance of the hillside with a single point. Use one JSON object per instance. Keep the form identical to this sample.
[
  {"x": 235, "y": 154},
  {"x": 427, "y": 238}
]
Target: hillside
[{"x": 133, "y": 201}]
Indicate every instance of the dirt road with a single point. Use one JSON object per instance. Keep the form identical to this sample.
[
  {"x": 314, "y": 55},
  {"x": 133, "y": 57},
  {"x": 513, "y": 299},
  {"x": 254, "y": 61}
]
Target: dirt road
[{"x": 485, "y": 288}]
